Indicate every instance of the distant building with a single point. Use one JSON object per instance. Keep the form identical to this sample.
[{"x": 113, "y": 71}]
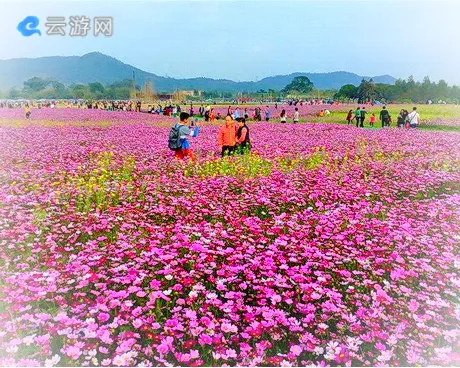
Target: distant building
[
  {"x": 166, "y": 97},
  {"x": 192, "y": 93}
]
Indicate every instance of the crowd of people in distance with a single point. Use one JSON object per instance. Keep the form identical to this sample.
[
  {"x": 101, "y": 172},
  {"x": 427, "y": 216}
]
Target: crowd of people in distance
[{"x": 405, "y": 119}]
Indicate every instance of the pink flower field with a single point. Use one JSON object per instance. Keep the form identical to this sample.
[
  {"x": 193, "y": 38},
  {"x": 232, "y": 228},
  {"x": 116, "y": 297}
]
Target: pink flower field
[{"x": 329, "y": 245}]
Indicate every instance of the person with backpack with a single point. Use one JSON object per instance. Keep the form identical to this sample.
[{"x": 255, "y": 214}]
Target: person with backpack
[
  {"x": 178, "y": 138},
  {"x": 385, "y": 117},
  {"x": 242, "y": 138}
]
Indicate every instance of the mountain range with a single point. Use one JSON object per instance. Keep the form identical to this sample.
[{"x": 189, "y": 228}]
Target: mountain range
[{"x": 97, "y": 67}]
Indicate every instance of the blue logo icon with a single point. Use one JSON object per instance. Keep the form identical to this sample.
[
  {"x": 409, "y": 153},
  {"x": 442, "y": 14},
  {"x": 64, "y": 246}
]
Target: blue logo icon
[{"x": 28, "y": 26}]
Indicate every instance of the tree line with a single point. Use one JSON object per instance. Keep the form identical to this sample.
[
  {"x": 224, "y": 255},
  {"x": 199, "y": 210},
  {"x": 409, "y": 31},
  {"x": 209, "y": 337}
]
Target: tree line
[
  {"x": 404, "y": 91},
  {"x": 39, "y": 88}
]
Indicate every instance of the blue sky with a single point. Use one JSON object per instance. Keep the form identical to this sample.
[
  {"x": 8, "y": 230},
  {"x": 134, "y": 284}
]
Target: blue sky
[{"x": 253, "y": 39}]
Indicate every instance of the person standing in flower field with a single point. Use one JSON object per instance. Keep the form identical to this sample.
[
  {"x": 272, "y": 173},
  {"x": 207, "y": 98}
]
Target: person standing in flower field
[
  {"x": 257, "y": 114},
  {"x": 413, "y": 118},
  {"x": 246, "y": 113},
  {"x": 242, "y": 138},
  {"x": 385, "y": 117},
  {"x": 402, "y": 118},
  {"x": 372, "y": 119},
  {"x": 227, "y": 137},
  {"x": 27, "y": 110},
  {"x": 358, "y": 116},
  {"x": 283, "y": 116},
  {"x": 236, "y": 113},
  {"x": 296, "y": 115},
  {"x": 349, "y": 117},
  {"x": 363, "y": 117},
  {"x": 178, "y": 138},
  {"x": 267, "y": 114}
]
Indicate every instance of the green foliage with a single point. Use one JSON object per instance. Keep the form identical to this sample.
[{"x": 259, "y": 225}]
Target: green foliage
[
  {"x": 367, "y": 91},
  {"x": 403, "y": 91},
  {"x": 348, "y": 91},
  {"x": 299, "y": 85},
  {"x": 36, "y": 84},
  {"x": 215, "y": 94},
  {"x": 37, "y": 88}
]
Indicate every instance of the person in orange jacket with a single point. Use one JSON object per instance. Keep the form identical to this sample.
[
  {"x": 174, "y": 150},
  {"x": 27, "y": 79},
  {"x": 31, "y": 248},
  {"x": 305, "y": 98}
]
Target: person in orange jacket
[{"x": 227, "y": 137}]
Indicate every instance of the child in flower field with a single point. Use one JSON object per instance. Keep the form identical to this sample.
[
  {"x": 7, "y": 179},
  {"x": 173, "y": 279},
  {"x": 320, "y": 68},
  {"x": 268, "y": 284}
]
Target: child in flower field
[
  {"x": 178, "y": 135},
  {"x": 372, "y": 120},
  {"x": 350, "y": 117}
]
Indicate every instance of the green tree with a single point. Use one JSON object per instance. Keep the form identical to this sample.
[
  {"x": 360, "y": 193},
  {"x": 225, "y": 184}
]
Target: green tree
[
  {"x": 60, "y": 90},
  {"x": 96, "y": 87},
  {"x": 348, "y": 91},
  {"x": 442, "y": 90},
  {"x": 301, "y": 85},
  {"x": 367, "y": 91},
  {"x": 13, "y": 93},
  {"x": 79, "y": 91},
  {"x": 36, "y": 84}
]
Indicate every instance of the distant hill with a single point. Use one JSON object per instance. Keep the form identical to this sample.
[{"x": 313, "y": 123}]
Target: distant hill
[{"x": 97, "y": 67}]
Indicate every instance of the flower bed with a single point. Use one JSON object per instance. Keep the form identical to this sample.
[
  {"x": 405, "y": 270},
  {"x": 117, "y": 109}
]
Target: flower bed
[{"x": 329, "y": 245}]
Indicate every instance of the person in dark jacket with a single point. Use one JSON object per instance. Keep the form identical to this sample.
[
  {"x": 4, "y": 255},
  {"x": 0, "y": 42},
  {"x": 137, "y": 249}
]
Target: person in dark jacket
[
  {"x": 363, "y": 117},
  {"x": 402, "y": 117},
  {"x": 385, "y": 117},
  {"x": 242, "y": 137}
]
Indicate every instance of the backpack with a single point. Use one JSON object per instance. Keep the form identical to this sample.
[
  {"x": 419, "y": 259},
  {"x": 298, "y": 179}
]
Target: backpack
[{"x": 174, "y": 142}]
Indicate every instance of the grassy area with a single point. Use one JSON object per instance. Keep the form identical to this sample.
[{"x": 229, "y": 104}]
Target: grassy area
[
  {"x": 427, "y": 112},
  {"x": 441, "y": 128}
]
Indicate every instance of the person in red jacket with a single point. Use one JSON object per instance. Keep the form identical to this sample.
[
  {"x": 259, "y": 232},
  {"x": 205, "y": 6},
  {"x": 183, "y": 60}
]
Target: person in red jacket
[{"x": 227, "y": 137}]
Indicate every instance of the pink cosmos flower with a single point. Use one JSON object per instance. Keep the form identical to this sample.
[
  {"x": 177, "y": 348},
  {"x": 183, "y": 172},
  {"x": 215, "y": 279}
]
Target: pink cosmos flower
[
  {"x": 72, "y": 351},
  {"x": 205, "y": 339},
  {"x": 296, "y": 350},
  {"x": 103, "y": 317}
]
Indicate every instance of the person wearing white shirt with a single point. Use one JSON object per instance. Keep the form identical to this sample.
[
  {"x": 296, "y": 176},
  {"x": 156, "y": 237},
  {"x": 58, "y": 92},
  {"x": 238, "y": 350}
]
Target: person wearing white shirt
[
  {"x": 296, "y": 115},
  {"x": 413, "y": 118}
]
